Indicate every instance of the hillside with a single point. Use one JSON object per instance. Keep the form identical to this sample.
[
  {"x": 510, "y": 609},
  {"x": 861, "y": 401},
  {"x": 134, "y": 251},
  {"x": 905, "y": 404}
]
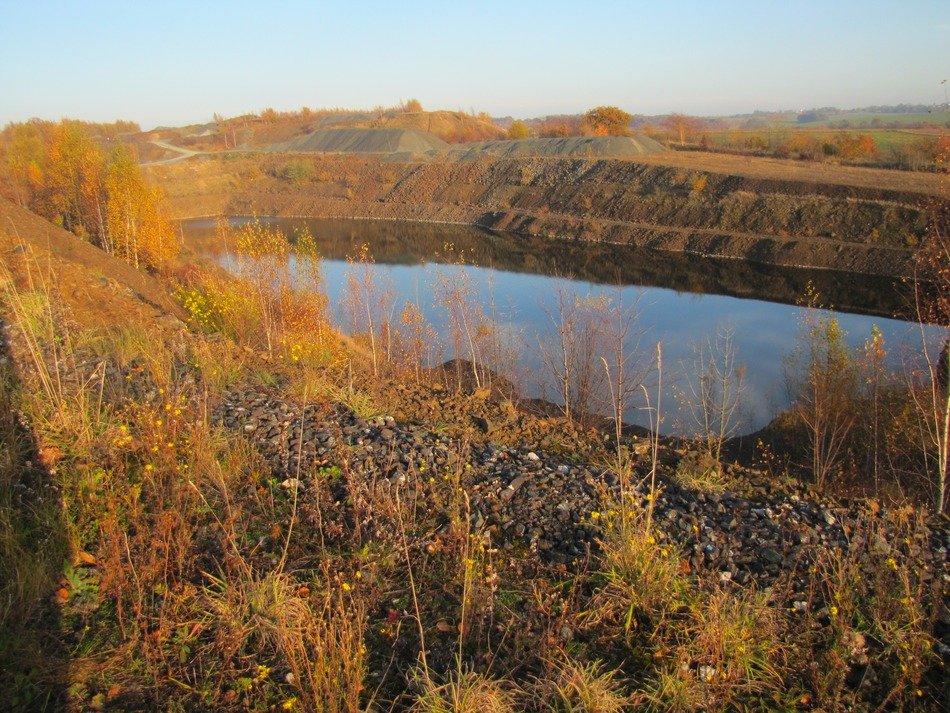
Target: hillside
[
  {"x": 567, "y": 147},
  {"x": 450, "y": 126},
  {"x": 102, "y": 290},
  {"x": 765, "y": 210}
]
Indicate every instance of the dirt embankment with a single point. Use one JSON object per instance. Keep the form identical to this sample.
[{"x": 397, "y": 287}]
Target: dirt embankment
[
  {"x": 102, "y": 291},
  {"x": 869, "y": 225}
]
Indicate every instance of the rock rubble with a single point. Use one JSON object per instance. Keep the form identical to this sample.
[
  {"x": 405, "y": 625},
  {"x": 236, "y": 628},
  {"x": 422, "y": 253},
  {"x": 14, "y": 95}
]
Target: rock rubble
[{"x": 558, "y": 508}]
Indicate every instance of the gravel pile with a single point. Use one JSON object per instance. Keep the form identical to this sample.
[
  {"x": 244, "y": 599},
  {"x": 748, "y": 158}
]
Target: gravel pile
[
  {"x": 529, "y": 499},
  {"x": 364, "y": 141}
]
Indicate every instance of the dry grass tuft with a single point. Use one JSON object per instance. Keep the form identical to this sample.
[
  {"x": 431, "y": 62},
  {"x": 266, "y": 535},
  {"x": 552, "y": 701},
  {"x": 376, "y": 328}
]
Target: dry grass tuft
[
  {"x": 466, "y": 692},
  {"x": 573, "y": 687}
]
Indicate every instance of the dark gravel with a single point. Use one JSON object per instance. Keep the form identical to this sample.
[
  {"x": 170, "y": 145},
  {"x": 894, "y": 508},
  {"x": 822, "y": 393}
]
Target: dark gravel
[{"x": 552, "y": 506}]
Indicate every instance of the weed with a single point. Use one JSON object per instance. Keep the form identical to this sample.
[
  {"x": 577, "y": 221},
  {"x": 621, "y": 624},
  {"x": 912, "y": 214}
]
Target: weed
[
  {"x": 697, "y": 470},
  {"x": 642, "y": 578},
  {"x": 467, "y": 692},
  {"x": 573, "y": 687}
]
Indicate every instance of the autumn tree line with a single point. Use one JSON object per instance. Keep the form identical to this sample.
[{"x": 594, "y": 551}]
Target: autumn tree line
[
  {"x": 680, "y": 131},
  {"x": 82, "y": 177}
]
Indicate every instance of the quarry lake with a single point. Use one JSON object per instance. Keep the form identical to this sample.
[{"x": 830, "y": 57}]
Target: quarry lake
[{"x": 681, "y": 301}]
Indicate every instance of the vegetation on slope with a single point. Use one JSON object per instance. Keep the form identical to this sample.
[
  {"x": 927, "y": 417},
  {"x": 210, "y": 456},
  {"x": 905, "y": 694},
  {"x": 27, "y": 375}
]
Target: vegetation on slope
[{"x": 61, "y": 172}]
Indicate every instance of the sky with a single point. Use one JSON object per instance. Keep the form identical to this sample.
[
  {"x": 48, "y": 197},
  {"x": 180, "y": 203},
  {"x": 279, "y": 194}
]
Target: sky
[{"x": 176, "y": 63}]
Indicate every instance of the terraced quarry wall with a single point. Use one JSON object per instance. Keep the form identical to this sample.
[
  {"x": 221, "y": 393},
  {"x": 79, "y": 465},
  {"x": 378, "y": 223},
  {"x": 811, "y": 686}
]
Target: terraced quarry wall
[{"x": 858, "y": 228}]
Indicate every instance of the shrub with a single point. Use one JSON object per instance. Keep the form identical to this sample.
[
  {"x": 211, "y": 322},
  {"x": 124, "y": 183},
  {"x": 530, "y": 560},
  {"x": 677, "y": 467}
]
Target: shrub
[
  {"x": 296, "y": 171},
  {"x": 574, "y": 687},
  {"x": 642, "y": 582},
  {"x": 823, "y": 380},
  {"x": 518, "y": 130}
]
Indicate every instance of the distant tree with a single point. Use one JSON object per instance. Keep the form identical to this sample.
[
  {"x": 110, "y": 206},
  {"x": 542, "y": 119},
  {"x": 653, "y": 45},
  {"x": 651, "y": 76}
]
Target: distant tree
[
  {"x": 518, "y": 130},
  {"x": 810, "y": 117},
  {"x": 553, "y": 129},
  {"x": 806, "y": 146},
  {"x": 412, "y": 106},
  {"x": 102, "y": 199},
  {"x": 850, "y": 146},
  {"x": 225, "y": 128},
  {"x": 73, "y": 181},
  {"x": 682, "y": 126},
  {"x": 606, "y": 121},
  {"x": 25, "y": 159},
  {"x": 296, "y": 171}
]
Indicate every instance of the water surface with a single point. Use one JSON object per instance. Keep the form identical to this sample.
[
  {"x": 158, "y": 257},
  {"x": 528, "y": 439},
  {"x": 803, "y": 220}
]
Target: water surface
[{"x": 681, "y": 301}]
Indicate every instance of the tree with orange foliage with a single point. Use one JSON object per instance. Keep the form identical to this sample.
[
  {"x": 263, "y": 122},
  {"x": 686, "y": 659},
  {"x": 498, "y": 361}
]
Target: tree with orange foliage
[
  {"x": 606, "y": 121},
  {"x": 137, "y": 230},
  {"x": 60, "y": 172},
  {"x": 412, "y": 106},
  {"x": 73, "y": 182},
  {"x": 855, "y": 147},
  {"x": 25, "y": 160},
  {"x": 556, "y": 129}
]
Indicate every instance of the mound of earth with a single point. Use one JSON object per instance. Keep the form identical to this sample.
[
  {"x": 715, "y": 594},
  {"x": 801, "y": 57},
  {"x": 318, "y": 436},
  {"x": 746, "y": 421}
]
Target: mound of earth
[
  {"x": 570, "y": 146},
  {"x": 451, "y": 126},
  {"x": 364, "y": 141},
  {"x": 101, "y": 290}
]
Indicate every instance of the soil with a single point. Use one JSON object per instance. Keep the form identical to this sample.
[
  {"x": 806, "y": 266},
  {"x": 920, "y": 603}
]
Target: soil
[{"x": 101, "y": 291}]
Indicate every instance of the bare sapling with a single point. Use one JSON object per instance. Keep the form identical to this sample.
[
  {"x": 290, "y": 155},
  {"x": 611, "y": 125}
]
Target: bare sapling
[
  {"x": 560, "y": 361},
  {"x": 222, "y": 232},
  {"x": 931, "y": 396},
  {"x": 311, "y": 313},
  {"x": 874, "y": 371},
  {"x": 368, "y": 305},
  {"x": 416, "y": 345},
  {"x": 933, "y": 400},
  {"x": 623, "y": 373},
  {"x": 581, "y": 328},
  {"x": 503, "y": 343},
  {"x": 456, "y": 295},
  {"x": 263, "y": 251},
  {"x": 716, "y": 383},
  {"x": 655, "y": 416}
]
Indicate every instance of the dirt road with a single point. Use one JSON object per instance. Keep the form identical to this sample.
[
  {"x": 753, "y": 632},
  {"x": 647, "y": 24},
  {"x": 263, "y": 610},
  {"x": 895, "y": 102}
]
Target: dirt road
[{"x": 182, "y": 153}]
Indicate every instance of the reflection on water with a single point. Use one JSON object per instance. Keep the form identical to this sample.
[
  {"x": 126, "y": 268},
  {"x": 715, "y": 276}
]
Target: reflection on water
[{"x": 681, "y": 299}]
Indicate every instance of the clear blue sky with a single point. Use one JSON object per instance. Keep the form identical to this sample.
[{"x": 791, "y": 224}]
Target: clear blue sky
[{"x": 176, "y": 63}]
